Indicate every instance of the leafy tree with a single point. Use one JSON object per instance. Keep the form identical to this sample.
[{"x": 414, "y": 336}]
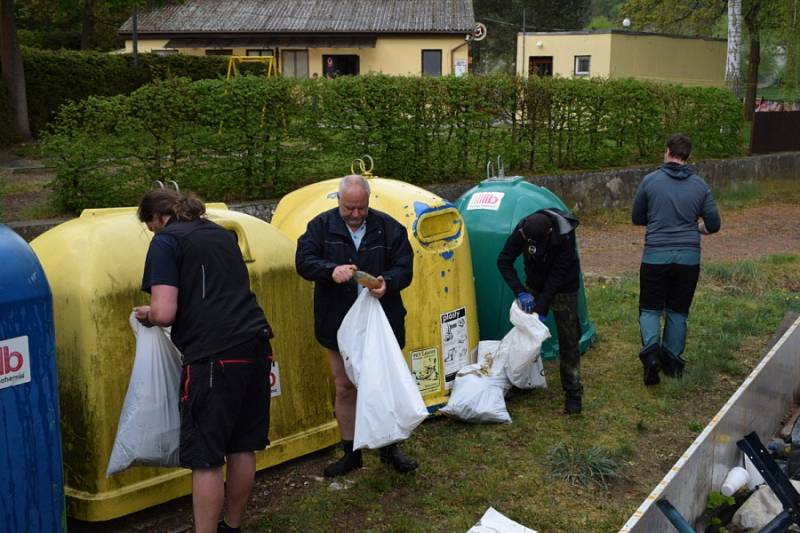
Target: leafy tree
[
  {"x": 505, "y": 18},
  {"x": 13, "y": 73},
  {"x": 697, "y": 17}
]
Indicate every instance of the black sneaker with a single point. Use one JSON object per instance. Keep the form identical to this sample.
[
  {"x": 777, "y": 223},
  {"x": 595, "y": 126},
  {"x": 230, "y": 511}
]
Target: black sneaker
[
  {"x": 401, "y": 462},
  {"x": 572, "y": 405}
]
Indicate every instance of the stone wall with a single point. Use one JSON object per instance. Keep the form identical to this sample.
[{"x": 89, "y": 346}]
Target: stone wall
[
  {"x": 584, "y": 191},
  {"x": 614, "y": 187}
]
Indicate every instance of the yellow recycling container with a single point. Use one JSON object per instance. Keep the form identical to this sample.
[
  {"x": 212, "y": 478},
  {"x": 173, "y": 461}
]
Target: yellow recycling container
[
  {"x": 94, "y": 264},
  {"x": 442, "y": 322}
]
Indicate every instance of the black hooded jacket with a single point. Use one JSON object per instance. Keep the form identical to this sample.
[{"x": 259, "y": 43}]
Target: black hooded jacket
[
  {"x": 552, "y": 269},
  {"x": 384, "y": 251}
]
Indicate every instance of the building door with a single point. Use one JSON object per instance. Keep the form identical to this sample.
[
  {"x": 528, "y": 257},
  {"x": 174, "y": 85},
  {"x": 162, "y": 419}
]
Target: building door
[
  {"x": 340, "y": 65},
  {"x": 294, "y": 63},
  {"x": 540, "y": 65}
]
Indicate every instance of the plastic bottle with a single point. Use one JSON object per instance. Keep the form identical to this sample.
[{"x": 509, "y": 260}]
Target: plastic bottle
[{"x": 735, "y": 480}]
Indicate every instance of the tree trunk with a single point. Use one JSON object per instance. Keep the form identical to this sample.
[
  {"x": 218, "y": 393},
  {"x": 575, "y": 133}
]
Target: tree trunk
[
  {"x": 88, "y": 31},
  {"x": 733, "y": 74},
  {"x": 13, "y": 73},
  {"x": 751, "y": 84}
]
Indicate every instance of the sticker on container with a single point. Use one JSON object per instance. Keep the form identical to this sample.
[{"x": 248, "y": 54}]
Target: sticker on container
[
  {"x": 455, "y": 351},
  {"x": 15, "y": 362},
  {"x": 274, "y": 380},
  {"x": 485, "y": 200},
  {"x": 426, "y": 369}
]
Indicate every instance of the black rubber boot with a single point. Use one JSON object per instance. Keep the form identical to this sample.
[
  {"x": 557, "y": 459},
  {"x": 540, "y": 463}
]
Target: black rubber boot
[
  {"x": 651, "y": 359},
  {"x": 671, "y": 366},
  {"x": 572, "y": 404},
  {"x": 348, "y": 463},
  {"x": 401, "y": 462}
]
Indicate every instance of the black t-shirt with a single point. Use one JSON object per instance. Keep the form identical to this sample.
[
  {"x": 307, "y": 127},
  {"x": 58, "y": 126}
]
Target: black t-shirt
[
  {"x": 161, "y": 265},
  {"x": 216, "y": 308}
]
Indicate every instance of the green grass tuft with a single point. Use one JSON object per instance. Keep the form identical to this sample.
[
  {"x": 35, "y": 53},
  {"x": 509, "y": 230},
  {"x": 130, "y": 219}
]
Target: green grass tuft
[{"x": 594, "y": 465}]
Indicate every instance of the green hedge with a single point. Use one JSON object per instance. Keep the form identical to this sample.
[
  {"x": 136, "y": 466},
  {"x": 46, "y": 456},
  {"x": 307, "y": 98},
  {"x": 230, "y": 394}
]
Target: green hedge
[
  {"x": 54, "y": 78},
  {"x": 253, "y": 137}
]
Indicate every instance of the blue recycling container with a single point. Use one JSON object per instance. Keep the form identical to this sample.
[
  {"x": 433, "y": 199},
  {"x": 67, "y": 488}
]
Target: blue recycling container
[{"x": 31, "y": 468}]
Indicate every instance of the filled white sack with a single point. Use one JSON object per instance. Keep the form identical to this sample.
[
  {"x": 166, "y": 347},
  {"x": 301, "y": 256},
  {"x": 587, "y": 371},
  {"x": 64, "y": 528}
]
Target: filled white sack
[
  {"x": 522, "y": 347},
  {"x": 495, "y": 522},
  {"x": 149, "y": 427},
  {"x": 479, "y": 389},
  {"x": 389, "y": 405}
]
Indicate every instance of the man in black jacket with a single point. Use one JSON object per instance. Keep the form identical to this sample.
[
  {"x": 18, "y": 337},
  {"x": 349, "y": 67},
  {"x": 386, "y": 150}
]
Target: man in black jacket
[
  {"x": 336, "y": 243},
  {"x": 546, "y": 240}
]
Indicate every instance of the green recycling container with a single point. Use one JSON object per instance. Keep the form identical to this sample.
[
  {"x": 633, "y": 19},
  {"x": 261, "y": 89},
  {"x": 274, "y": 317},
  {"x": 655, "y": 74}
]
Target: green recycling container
[{"x": 490, "y": 211}]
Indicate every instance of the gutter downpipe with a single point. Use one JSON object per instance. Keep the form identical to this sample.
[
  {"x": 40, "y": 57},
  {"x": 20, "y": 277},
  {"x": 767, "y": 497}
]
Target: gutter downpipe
[{"x": 453, "y": 59}]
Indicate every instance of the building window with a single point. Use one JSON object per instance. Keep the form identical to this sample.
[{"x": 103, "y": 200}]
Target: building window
[
  {"x": 219, "y": 52},
  {"x": 294, "y": 63},
  {"x": 340, "y": 65},
  {"x": 164, "y": 52},
  {"x": 431, "y": 62},
  {"x": 540, "y": 66},
  {"x": 582, "y": 64},
  {"x": 259, "y": 52}
]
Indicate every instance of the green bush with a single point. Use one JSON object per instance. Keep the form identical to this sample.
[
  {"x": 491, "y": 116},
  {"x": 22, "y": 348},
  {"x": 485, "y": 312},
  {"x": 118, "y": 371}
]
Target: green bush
[
  {"x": 253, "y": 137},
  {"x": 55, "y": 77}
]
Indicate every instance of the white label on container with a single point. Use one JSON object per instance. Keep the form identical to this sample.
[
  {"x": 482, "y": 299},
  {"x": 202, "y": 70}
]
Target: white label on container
[
  {"x": 274, "y": 380},
  {"x": 15, "y": 362},
  {"x": 426, "y": 368},
  {"x": 485, "y": 200},
  {"x": 455, "y": 351}
]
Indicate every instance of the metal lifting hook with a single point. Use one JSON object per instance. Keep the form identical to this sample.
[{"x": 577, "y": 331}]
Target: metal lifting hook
[
  {"x": 501, "y": 169},
  {"x": 160, "y": 184},
  {"x": 365, "y": 166}
]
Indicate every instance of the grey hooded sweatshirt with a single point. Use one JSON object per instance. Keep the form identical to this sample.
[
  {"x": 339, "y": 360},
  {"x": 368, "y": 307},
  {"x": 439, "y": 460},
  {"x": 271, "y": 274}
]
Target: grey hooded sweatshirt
[{"x": 669, "y": 202}]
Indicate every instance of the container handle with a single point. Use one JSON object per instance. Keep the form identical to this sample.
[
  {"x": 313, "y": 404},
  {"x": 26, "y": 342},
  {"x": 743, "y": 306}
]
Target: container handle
[
  {"x": 241, "y": 238},
  {"x": 364, "y": 168},
  {"x": 501, "y": 169}
]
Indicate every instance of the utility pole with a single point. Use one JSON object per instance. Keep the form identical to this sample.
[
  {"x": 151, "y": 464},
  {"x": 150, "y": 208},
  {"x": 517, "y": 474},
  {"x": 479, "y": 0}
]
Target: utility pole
[{"x": 524, "y": 61}]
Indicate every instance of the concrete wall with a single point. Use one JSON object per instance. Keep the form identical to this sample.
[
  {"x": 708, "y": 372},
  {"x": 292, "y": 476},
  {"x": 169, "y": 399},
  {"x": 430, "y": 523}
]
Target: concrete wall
[
  {"x": 618, "y": 54},
  {"x": 699, "y": 62},
  {"x": 587, "y": 191},
  {"x": 396, "y": 55},
  {"x": 584, "y": 191},
  {"x": 563, "y": 47}
]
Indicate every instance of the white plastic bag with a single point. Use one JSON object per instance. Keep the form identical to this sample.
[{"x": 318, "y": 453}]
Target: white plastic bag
[
  {"x": 389, "y": 405},
  {"x": 149, "y": 427},
  {"x": 479, "y": 390},
  {"x": 495, "y": 522},
  {"x": 522, "y": 347}
]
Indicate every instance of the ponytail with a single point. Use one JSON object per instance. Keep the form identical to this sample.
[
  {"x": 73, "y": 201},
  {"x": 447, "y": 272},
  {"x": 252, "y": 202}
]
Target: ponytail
[{"x": 172, "y": 203}]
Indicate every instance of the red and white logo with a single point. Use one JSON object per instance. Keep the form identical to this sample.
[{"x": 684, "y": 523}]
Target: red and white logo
[
  {"x": 15, "y": 362},
  {"x": 485, "y": 200},
  {"x": 274, "y": 381}
]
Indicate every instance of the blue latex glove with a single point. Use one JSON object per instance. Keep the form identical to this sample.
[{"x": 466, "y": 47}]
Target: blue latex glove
[
  {"x": 542, "y": 317},
  {"x": 526, "y": 302}
]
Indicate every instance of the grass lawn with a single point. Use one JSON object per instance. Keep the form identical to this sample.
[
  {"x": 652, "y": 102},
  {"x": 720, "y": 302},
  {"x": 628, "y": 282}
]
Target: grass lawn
[{"x": 542, "y": 469}]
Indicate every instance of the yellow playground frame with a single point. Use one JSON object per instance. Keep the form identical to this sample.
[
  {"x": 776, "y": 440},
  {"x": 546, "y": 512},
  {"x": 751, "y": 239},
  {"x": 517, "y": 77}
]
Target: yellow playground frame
[{"x": 234, "y": 62}]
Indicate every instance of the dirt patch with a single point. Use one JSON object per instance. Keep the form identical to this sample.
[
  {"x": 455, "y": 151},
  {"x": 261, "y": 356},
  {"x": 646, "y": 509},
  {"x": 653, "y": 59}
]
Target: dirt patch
[
  {"x": 746, "y": 233},
  {"x": 26, "y": 196},
  {"x": 288, "y": 480}
]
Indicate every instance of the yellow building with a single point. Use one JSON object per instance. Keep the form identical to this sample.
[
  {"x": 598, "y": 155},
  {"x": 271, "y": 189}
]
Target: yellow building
[
  {"x": 318, "y": 37},
  {"x": 623, "y": 54}
]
